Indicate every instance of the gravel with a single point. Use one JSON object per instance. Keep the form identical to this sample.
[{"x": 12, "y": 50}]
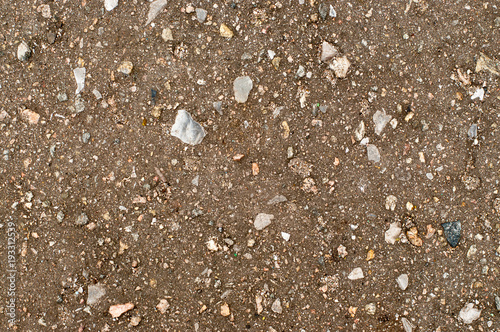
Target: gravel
[{"x": 242, "y": 87}]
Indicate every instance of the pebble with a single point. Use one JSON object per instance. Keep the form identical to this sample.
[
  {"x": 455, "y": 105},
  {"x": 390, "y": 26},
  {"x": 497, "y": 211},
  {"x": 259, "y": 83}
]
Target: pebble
[
  {"x": 301, "y": 72},
  {"x": 97, "y": 94},
  {"x": 452, "y": 232},
  {"x": 478, "y": 94},
  {"x": 332, "y": 12},
  {"x": 323, "y": 10},
  {"x": 340, "y": 66},
  {"x": 359, "y": 133},
  {"x": 118, "y": 309},
  {"x": 61, "y": 96},
  {"x": 225, "y": 31},
  {"x": 402, "y": 281},
  {"x": 262, "y": 221},
  {"x": 407, "y": 326},
  {"x": 373, "y": 153},
  {"x": 110, "y": 4},
  {"x": 356, "y": 274},
  {"x": 60, "y": 216},
  {"x": 79, "y": 104},
  {"x": 289, "y": 152},
  {"x": 371, "y": 308},
  {"x": 85, "y": 137},
  {"x": 155, "y": 8},
  {"x": 218, "y": 106},
  {"x": 30, "y": 116},
  {"x": 23, "y": 51},
  {"x": 135, "y": 320},
  {"x": 166, "y": 34},
  {"x": 276, "y": 306},
  {"x": 242, "y": 87},
  {"x": 390, "y": 202},
  {"x": 201, "y": 15},
  {"x": 186, "y": 129},
  {"x": 497, "y": 302},
  {"x": 392, "y": 234},
  {"x": 472, "y": 133},
  {"x": 125, "y": 67},
  {"x": 380, "y": 120},
  {"x": 94, "y": 293},
  {"x": 328, "y": 51},
  {"x": 285, "y": 236},
  {"x": 468, "y": 313},
  {"x": 224, "y": 310},
  {"x": 79, "y": 74},
  {"x": 277, "y": 199},
  {"x": 51, "y": 37},
  {"x": 163, "y": 306},
  {"x": 82, "y": 220}
]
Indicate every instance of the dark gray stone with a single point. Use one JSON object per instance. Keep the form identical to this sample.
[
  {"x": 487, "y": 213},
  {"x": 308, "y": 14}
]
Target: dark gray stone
[{"x": 452, "y": 232}]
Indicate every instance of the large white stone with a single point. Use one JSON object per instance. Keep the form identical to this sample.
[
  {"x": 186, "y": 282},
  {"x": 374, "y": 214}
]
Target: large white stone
[
  {"x": 242, "y": 86},
  {"x": 110, "y": 4},
  {"x": 186, "y": 129},
  {"x": 469, "y": 314},
  {"x": 262, "y": 221}
]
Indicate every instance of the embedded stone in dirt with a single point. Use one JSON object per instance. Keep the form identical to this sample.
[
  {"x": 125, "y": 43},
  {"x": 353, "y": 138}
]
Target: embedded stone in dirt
[
  {"x": 402, "y": 281},
  {"x": 242, "y": 86},
  {"x": 380, "y": 119},
  {"x": 328, "y": 51},
  {"x": 79, "y": 78},
  {"x": 373, "y": 153},
  {"x": 340, "y": 66},
  {"x": 392, "y": 234},
  {"x": 186, "y": 129},
  {"x": 118, "y": 309},
  {"x": 452, "y": 232},
  {"x": 262, "y": 221},
  {"x": 110, "y": 4},
  {"x": 356, "y": 274},
  {"x": 23, "y": 51},
  {"x": 95, "y": 292},
  {"x": 468, "y": 314}
]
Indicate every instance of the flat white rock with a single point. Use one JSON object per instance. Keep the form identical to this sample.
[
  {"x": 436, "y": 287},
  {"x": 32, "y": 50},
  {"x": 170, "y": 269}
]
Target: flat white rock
[
  {"x": 390, "y": 202},
  {"x": 359, "y": 133},
  {"x": 381, "y": 120},
  {"x": 407, "y": 326},
  {"x": 79, "y": 78},
  {"x": 110, "y": 4},
  {"x": 356, "y": 274},
  {"x": 392, "y": 234},
  {"x": 478, "y": 94},
  {"x": 285, "y": 236},
  {"x": 328, "y": 51},
  {"x": 468, "y": 314},
  {"x": 23, "y": 51},
  {"x": 155, "y": 8},
  {"x": 186, "y": 129},
  {"x": 402, "y": 281},
  {"x": 373, "y": 153},
  {"x": 262, "y": 221},
  {"x": 95, "y": 292},
  {"x": 242, "y": 86}
]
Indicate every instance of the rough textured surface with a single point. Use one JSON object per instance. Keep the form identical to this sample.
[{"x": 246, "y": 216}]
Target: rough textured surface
[{"x": 149, "y": 221}]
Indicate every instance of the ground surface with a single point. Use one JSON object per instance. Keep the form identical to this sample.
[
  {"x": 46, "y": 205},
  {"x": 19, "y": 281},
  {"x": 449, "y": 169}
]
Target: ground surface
[{"x": 147, "y": 218}]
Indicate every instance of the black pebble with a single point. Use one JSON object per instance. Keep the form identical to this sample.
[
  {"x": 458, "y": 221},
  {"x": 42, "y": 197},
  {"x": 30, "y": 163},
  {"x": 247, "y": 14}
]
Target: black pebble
[{"x": 452, "y": 232}]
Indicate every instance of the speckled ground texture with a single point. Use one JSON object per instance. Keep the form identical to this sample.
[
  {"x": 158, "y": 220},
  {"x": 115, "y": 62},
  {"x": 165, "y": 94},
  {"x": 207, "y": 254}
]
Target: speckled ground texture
[{"x": 102, "y": 195}]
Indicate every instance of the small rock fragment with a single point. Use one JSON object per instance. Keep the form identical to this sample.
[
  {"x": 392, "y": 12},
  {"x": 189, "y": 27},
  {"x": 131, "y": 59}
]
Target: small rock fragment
[
  {"x": 79, "y": 74},
  {"x": 163, "y": 306},
  {"x": 390, "y": 202},
  {"x": 255, "y": 169},
  {"x": 468, "y": 314},
  {"x": 211, "y": 245},
  {"x": 225, "y": 31},
  {"x": 407, "y": 326},
  {"x": 478, "y": 94},
  {"x": 242, "y": 87},
  {"x": 342, "y": 251},
  {"x": 370, "y": 255},
  {"x": 277, "y": 199},
  {"x": 30, "y": 116},
  {"x": 472, "y": 133},
  {"x": 497, "y": 302},
  {"x": 402, "y": 281},
  {"x": 328, "y": 51},
  {"x": 218, "y": 106},
  {"x": 332, "y": 12},
  {"x": 110, "y": 4},
  {"x": 262, "y": 221},
  {"x": 134, "y": 321},
  {"x": 82, "y": 220},
  {"x": 381, "y": 120},
  {"x": 412, "y": 235},
  {"x": 94, "y": 293},
  {"x": 258, "y": 304},
  {"x": 392, "y": 234},
  {"x": 166, "y": 34},
  {"x": 125, "y": 67},
  {"x": 452, "y": 232},
  {"x": 62, "y": 97},
  {"x": 309, "y": 186},
  {"x": 60, "y": 216},
  {"x": 118, "y": 309},
  {"x": 224, "y": 310},
  {"x": 359, "y": 133},
  {"x": 356, "y": 274},
  {"x": 201, "y": 15},
  {"x": 485, "y": 63},
  {"x": 154, "y": 9},
  {"x": 186, "y": 129},
  {"x": 373, "y": 153},
  {"x": 471, "y": 182},
  {"x": 371, "y": 308},
  {"x": 340, "y": 66},
  {"x": 23, "y": 51},
  {"x": 472, "y": 251},
  {"x": 496, "y": 205},
  {"x": 276, "y": 306},
  {"x": 323, "y": 10},
  {"x": 45, "y": 9},
  {"x": 97, "y": 94},
  {"x": 79, "y": 104},
  {"x": 285, "y": 236}
]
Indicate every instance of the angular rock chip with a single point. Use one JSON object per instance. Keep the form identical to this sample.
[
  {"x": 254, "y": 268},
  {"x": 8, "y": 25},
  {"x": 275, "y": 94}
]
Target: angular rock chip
[
  {"x": 373, "y": 153},
  {"x": 95, "y": 292},
  {"x": 262, "y": 221},
  {"x": 154, "y": 9},
  {"x": 381, "y": 120},
  {"x": 186, "y": 129},
  {"x": 328, "y": 51},
  {"x": 468, "y": 314},
  {"x": 485, "y": 63},
  {"x": 340, "y": 66},
  {"x": 79, "y": 78},
  {"x": 392, "y": 234},
  {"x": 402, "y": 281},
  {"x": 118, "y": 309},
  {"x": 452, "y": 232},
  {"x": 242, "y": 87},
  {"x": 356, "y": 274},
  {"x": 110, "y": 4},
  {"x": 23, "y": 51}
]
